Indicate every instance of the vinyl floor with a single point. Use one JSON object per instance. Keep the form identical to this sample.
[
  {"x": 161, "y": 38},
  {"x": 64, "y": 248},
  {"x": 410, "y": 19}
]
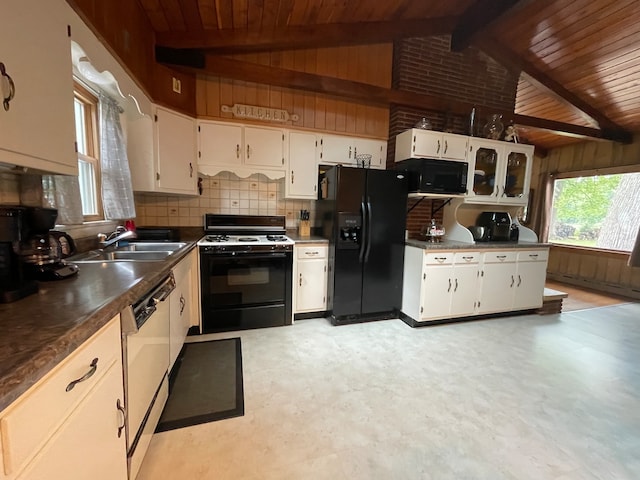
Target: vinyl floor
[{"x": 552, "y": 397}]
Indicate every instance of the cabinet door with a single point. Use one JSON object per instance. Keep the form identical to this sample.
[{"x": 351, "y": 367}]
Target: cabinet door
[
  {"x": 498, "y": 280},
  {"x": 427, "y": 144},
  {"x": 311, "y": 285},
  {"x": 87, "y": 444},
  {"x": 38, "y": 129},
  {"x": 530, "y": 279},
  {"x": 484, "y": 170},
  {"x": 454, "y": 146},
  {"x": 465, "y": 283},
  {"x": 437, "y": 287},
  {"x": 179, "y": 309},
  {"x": 176, "y": 152},
  {"x": 337, "y": 149},
  {"x": 376, "y": 148},
  {"x": 264, "y": 147},
  {"x": 302, "y": 174},
  {"x": 516, "y": 173},
  {"x": 219, "y": 144}
]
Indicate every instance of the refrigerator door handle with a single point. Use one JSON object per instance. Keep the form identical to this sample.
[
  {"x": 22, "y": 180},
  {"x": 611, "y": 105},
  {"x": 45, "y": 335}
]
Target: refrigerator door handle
[
  {"x": 363, "y": 232},
  {"x": 367, "y": 235}
]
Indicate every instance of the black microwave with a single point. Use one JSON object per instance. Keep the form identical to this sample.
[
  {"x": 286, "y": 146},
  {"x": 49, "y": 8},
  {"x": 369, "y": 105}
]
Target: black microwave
[{"x": 430, "y": 175}]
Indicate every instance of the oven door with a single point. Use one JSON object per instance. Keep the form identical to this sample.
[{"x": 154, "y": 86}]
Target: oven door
[{"x": 245, "y": 290}]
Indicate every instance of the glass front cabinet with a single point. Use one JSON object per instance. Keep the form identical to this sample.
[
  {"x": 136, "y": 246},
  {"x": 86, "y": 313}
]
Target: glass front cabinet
[{"x": 499, "y": 172}]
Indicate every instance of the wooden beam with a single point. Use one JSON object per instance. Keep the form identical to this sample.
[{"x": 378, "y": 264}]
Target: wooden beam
[
  {"x": 519, "y": 65},
  {"x": 371, "y": 94},
  {"x": 308, "y": 36},
  {"x": 479, "y": 16}
]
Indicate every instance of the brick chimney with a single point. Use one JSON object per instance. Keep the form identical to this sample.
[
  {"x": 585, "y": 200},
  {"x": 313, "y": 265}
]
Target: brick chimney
[{"x": 427, "y": 66}]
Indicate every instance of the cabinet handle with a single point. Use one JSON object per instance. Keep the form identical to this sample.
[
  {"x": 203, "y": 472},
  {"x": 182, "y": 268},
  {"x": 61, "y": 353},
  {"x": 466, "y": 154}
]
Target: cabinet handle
[
  {"x": 467, "y": 258},
  {"x": 501, "y": 257},
  {"x": 237, "y": 150},
  {"x": 248, "y": 155},
  {"x": 86, "y": 376},
  {"x": 124, "y": 417},
  {"x": 512, "y": 281},
  {"x": 455, "y": 289},
  {"x": 449, "y": 289},
  {"x": 349, "y": 152},
  {"x": 183, "y": 304},
  {"x": 6, "y": 96},
  {"x": 533, "y": 255},
  {"x": 438, "y": 149},
  {"x": 440, "y": 259},
  {"x": 300, "y": 280},
  {"x": 519, "y": 280},
  {"x": 446, "y": 146},
  {"x": 190, "y": 170},
  {"x": 291, "y": 177}
]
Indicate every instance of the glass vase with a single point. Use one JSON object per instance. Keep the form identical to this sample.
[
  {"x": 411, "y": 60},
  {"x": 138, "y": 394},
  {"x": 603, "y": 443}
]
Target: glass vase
[{"x": 494, "y": 127}]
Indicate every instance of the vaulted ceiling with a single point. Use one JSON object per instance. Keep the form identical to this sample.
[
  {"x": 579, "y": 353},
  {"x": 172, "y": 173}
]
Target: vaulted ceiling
[{"x": 578, "y": 60}]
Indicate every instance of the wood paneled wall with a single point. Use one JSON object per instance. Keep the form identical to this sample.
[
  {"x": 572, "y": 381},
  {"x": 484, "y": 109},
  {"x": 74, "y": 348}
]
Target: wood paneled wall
[
  {"x": 593, "y": 269},
  {"x": 371, "y": 64}
]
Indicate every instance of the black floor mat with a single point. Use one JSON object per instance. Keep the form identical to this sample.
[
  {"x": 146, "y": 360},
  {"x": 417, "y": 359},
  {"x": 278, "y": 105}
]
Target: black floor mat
[{"x": 205, "y": 385}]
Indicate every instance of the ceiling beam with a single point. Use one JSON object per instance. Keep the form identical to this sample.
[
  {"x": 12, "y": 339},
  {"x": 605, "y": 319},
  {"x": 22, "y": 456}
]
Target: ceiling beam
[
  {"x": 479, "y": 16},
  {"x": 308, "y": 36},
  {"x": 359, "y": 92},
  {"x": 541, "y": 80}
]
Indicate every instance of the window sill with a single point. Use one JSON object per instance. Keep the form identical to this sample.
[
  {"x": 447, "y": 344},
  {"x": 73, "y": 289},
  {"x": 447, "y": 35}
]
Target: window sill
[
  {"x": 591, "y": 250},
  {"x": 89, "y": 229}
]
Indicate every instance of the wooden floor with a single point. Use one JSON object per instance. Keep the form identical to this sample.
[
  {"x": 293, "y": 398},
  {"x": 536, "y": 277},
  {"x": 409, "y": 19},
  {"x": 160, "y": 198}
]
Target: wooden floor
[{"x": 580, "y": 298}]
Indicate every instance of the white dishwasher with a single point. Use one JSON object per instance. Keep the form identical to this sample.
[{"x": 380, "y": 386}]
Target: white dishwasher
[{"x": 145, "y": 346}]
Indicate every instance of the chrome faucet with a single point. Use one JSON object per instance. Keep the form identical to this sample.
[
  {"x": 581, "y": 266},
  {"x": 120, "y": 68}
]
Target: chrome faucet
[{"x": 120, "y": 233}]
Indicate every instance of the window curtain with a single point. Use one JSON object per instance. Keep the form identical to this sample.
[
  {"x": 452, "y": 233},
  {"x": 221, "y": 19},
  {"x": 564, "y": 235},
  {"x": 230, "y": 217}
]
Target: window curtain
[
  {"x": 634, "y": 258},
  {"x": 62, "y": 192},
  {"x": 542, "y": 206},
  {"x": 117, "y": 192}
]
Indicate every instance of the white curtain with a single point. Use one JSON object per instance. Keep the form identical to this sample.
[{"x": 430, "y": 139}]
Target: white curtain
[
  {"x": 117, "y": 192},
  {"x": 62, "y": 192}
]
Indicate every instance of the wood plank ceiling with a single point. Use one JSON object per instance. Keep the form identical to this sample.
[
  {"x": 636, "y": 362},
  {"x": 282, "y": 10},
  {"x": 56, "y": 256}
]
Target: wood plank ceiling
[{"x": 578, "y": 60}]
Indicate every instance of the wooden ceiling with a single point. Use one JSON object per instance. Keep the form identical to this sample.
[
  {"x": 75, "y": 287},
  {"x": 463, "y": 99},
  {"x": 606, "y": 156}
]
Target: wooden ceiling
[{"x": 578, "y": 60}]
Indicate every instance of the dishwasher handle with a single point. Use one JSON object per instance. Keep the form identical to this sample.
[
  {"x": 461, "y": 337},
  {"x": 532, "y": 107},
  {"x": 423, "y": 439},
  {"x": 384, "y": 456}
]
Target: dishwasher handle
[
  {"x": 133, "y": 317},
  {"x": 162, "y": 292}
]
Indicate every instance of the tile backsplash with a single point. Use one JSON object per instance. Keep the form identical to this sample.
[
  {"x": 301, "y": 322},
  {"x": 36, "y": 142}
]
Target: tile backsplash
[{"x": 224, "y": 193}]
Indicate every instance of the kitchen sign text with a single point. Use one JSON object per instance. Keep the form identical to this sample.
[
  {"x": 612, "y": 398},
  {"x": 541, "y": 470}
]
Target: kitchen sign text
[{"x": 259, "y": 113}]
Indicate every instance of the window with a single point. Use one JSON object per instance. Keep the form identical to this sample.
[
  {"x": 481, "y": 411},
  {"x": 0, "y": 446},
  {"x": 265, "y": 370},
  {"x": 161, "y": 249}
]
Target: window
[
  {"x": 86, "y": 117},
  {"x": 596, "y": 211}
]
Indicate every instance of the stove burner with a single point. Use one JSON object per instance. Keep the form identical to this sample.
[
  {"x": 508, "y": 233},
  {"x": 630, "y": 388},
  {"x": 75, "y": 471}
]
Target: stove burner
[
  {"x": 247, "y": 239},
  {"x": 276, "y": 238},
  {"x": 217, "y": 238}
]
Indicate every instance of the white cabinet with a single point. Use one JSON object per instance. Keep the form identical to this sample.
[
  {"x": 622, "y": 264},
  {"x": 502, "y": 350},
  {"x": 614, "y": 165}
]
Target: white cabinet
[
  {"x": 302, "y": 169},
  {"x": 242, "y": 149},
  {"x": 417, "y": 143},
  {"x": 76, "y": 409},
  {"x": 162, "y": 153},
  {"x": 181, "y": 305},
  {"x": 38, "y": 130},
  {"x": 448, "y": 284},
  {"x": 310, "y": 278},
  {"x": 530, "y": 279},
  {"x": 342, "y": 150},
  {"x": 499, "y": 172}
]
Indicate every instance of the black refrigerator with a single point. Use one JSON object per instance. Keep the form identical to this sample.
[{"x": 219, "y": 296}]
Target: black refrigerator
[{"x": 363, "y": 214}]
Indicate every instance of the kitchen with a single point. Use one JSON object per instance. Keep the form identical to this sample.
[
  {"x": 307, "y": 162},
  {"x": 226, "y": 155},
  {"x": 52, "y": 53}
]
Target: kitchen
[{"x": 164, "y": 209}]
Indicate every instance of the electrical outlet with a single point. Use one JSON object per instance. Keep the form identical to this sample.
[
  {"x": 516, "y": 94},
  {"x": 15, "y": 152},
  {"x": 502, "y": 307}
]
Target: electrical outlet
[{"x": 177, "y": 85}]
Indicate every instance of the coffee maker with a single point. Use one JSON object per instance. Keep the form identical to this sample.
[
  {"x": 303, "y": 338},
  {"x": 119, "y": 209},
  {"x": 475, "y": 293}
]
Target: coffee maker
[
  {"x": 14, "y": 284},
  {"x": 43, "y": 250}
]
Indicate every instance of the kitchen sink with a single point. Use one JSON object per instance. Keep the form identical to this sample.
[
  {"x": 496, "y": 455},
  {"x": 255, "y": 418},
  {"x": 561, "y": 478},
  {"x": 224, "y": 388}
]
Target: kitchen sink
[{"x": 132, "y": 252}]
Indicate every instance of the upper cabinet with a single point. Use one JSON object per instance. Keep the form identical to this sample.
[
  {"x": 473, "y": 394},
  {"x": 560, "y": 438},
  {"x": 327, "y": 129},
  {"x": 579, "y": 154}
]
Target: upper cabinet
[
  {"x": 36, "y": 85},
  {"x": 162, "y": 153},
  {"x": 242, "y": 149},
  {"x": 417, "y": 143},
  {"x": 302, "y": 169},
  {"x": 343, "y": 150},
  {"x": 499, "y": 172}
]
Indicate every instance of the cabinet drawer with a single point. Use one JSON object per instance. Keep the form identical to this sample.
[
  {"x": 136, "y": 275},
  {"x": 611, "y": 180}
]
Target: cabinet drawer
[
  {"x": 444, "y": 258},
  {"x": 464, "y": 258},
  {"x": 31, "y": 419},
  {"x": 533, "y": 256},
  {"x": 312, "y": 252},
  {"x": 499, "y": 257}
]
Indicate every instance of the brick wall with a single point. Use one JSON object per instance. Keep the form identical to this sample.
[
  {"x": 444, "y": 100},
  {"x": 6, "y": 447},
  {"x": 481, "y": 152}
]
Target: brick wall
[{"x": 427, "y": 66}]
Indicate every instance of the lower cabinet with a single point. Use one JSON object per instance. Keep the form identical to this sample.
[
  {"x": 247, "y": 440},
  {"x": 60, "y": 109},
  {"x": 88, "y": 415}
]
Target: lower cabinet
[
  {"x": 71, "y": 423},
  {"x": 310, "y": 278},
  {"x": 181, "y": 306},
  {"x": 457, "y": 284}
]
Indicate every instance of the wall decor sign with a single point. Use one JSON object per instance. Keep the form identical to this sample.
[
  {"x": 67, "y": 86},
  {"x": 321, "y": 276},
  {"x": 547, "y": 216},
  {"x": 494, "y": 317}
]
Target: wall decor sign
[{"x": 259, "y": 113}]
